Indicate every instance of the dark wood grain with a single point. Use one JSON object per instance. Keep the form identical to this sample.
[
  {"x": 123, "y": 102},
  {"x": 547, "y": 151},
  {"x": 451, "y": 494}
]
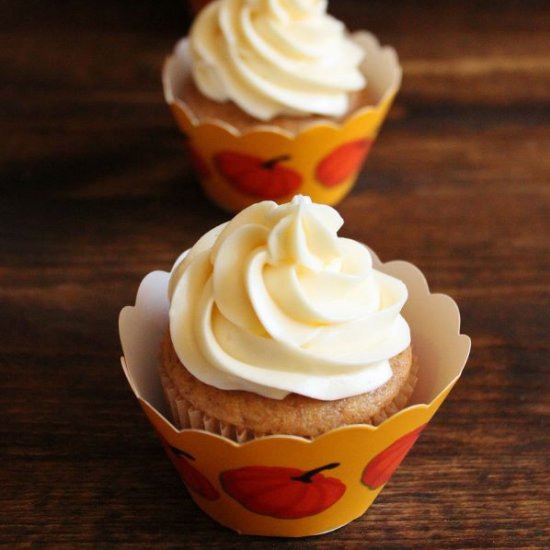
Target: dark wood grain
[{"x": 96, "y": 192}]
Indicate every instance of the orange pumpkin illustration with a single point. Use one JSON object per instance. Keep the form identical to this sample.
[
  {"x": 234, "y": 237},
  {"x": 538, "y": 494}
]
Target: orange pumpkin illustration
[
  {"x": 380, "y": 469},
  {"x": 264, "y": 179},
  {"x": 284, "y": 493},
  {"x": 342, "y": 163},
  {"x": 191, "y": 477}
]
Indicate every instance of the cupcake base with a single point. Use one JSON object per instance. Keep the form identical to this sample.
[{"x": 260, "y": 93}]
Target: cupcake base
[{"x": 188, "y": 411}]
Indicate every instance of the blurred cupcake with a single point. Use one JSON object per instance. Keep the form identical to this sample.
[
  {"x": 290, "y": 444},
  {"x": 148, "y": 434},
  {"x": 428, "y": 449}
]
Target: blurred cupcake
[
  {"x": 277, "y": 98},
  {"x": 279, "y": 326}
]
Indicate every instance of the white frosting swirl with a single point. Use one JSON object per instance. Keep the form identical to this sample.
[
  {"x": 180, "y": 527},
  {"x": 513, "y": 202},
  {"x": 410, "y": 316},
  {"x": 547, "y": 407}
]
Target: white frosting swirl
[
  {"x": 274, "y": 57},
  {"x": 274, "y": 302}
]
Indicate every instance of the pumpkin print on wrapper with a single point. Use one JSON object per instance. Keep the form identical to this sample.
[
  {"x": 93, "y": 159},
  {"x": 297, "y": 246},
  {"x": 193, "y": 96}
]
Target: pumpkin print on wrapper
[
  {"x": 380, "y": 469},
  {"x": 193, "y": 479},
  {"x": 257, "y": 177},
  {"x": 283, "y": 493},
  {"x": 343, "y": 162}
]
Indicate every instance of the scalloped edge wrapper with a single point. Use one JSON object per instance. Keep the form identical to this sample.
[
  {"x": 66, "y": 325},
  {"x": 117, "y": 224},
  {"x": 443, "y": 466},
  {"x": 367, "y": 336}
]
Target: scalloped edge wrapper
[
  {"x": 353, "y": 455},
  {"x": 314, "y": 158}
]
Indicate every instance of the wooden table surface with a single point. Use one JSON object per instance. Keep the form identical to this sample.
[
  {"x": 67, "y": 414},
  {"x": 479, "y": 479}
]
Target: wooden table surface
[{"x": 96, "y": 192}]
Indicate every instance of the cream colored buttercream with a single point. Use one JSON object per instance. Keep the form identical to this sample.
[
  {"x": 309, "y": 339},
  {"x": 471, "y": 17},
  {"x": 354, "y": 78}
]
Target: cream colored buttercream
[
  {"x": 275, "y": 57},
  {"x": 274, "y": 302}
]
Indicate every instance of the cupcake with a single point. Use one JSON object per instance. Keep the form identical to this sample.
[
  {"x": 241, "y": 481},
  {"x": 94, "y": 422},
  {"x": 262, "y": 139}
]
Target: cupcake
[
  {"x": 279, "y": 326},
  {"x": 288, "y": 356},
  {"x": 276, "y": 99}
]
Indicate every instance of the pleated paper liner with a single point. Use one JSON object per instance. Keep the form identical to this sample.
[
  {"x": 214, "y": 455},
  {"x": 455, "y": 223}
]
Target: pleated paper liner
[{"x": 185, "y": 415}]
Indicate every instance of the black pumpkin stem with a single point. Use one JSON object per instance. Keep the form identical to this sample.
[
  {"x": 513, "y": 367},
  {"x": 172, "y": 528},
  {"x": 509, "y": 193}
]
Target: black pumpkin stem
[
  {"x": 179, "y": 452},
  {"x": 306, "y": 477},
  {"x": 271, "y": 163}
]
